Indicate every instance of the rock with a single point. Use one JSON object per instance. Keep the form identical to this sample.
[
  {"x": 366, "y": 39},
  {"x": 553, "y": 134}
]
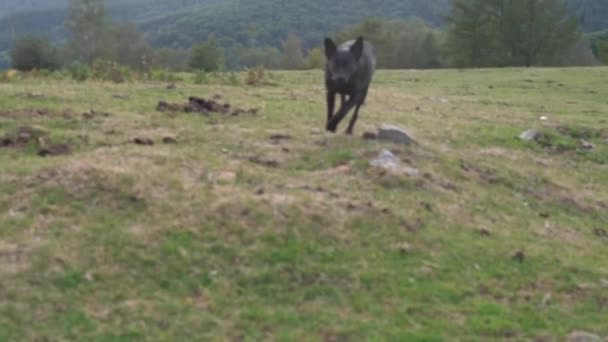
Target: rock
[
  {"x": 395, "y": 134},
  {"x": 386, "y": 160},
  {"x": 169, "y": 140},
  {"x": 583, "y": 336},
  {"x": 171, "y": 86},
  {"x": 543, "y": 118},
  {"x": 529, "y": 135},
  {"x": 121, "y": 96},
  {"x": 586, "y": 144}
]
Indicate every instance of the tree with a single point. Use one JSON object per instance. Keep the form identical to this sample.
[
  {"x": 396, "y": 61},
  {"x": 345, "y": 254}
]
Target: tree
[
  {"x": 207, "y": 56},
  {"x": 127, "y": 46},
  {"x": 293, "y": 57},
  {"x": 86, "y": 27},
  {"x": 399, "y": 44},
  {"x": 31, "y": 52},
  {"x": 509, "y": 32},
  {"x": 469, "y": 41}
]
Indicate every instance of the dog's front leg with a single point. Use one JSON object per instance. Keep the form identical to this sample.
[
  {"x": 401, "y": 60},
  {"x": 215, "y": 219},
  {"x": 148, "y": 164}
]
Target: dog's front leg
[
  {"x": 331, "y": 102},
  {"x": 332, "y": 125}
]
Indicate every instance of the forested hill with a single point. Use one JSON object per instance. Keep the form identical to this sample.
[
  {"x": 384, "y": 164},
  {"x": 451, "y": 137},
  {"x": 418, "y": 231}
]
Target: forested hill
[{"x": 181, "y": 23}]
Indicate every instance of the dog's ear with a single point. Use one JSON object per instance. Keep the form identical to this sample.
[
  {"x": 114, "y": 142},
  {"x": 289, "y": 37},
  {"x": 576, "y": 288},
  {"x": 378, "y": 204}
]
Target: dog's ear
[
  {"x": 357, "y": 48},
  {"x": 330, "y": 48}
]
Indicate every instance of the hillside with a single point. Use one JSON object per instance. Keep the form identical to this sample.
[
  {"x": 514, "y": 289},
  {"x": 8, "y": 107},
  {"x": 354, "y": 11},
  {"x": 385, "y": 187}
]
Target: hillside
[
  {"x": 254, "y": 23},
  {"x": 264, "y": 227}
]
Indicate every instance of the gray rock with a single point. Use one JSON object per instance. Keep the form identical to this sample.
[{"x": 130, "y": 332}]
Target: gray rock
[
  {"x": 395, "y": 134},
  {"x": 583, "y": 336},
  {"x": 529, "y": 135},
  {"x": 586, "y": 144},
  {"x": 386, "y": 160}
]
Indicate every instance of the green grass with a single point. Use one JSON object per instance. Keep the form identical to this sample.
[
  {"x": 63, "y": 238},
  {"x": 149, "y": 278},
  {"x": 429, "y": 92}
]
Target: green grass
[{"x": 120, "y": 242}]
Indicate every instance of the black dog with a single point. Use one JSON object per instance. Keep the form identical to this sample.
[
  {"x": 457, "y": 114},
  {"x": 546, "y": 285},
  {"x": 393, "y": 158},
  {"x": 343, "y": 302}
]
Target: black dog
[{"x": 348, "y": 72}]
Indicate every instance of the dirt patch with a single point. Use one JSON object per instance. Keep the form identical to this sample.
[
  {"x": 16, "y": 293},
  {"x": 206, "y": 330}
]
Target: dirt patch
[
  {"x": 203, "y": 106},
  {"x": 22, "y": 136},
  {"x": 26, "y": 113},
  {"x": 278, "y": 138},
  {"x": 55, "y": 150},
  {"x": 92, "y": 114},
  {"x": 13, "y": 258},
  {"x": 26, "y": 135},
  {"x": 143, "y": 141},
  {"x": 267, "y": 162}
]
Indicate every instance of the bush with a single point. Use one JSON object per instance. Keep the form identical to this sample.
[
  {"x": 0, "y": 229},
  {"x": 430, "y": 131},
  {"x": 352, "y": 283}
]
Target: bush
[
  {"x": 201, "y": 77},
  {"x": 9, "y": 75},
  {"x": 110, "y": 71},
  {"x": 163, "y": 75},
  {"x": 255, "y": 76},
  {"x": 79, "y": 72},
  {"x": 31, "y": 52}
]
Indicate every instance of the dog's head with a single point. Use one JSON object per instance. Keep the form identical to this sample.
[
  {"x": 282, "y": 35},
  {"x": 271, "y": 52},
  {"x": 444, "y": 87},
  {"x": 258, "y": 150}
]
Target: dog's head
[{"x": 342, "y": 62}]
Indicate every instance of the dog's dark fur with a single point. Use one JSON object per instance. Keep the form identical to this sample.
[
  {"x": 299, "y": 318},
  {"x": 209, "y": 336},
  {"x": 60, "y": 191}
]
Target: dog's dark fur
[{"x": 349, "y": 71}]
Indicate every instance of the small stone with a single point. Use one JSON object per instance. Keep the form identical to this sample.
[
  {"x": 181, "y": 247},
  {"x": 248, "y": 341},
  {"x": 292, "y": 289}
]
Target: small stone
[
  {"x": 529, "y": 135},
  {"x": 583, "y": 336},
  {"x": 260, "y": 191},
  {"x": 143, "y": 141},
  {"x": 370, "y": 136},
  {"x": 404, "y": 248},
  {"x": 395, "y": 134},
  {"x": 388, "y": 161},
  {"x": 171, "y": 86},
  {"x": 519, "y": 257},
  {"x": 543, "y": 118},
  {"x": 55, "y": 150}
]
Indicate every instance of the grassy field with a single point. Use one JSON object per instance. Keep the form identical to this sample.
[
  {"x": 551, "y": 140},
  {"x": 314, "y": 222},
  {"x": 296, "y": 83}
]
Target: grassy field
[{"x": 231, "y": 235}]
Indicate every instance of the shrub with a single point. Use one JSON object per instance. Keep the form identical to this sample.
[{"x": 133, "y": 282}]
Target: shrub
[
  {"x": 110, "y": 71},
  {"x": 201, "y": 77},
  {"x": 79, "y": 72},
  {"x": 163, "y": 75}
]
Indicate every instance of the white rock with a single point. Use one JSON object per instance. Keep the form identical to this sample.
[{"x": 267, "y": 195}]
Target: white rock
[{"x": 529, "y": 135}]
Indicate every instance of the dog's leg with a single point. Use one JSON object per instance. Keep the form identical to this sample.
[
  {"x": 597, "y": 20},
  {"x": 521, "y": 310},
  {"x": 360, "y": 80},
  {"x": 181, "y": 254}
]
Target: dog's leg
[
  {"x": 342, "y": 100},
  {"x": 351, "y": 125},
  {"x": 331, "y": 103},
  {"x": 332, "y": 125},
  {"x": 353, "y": 120}
]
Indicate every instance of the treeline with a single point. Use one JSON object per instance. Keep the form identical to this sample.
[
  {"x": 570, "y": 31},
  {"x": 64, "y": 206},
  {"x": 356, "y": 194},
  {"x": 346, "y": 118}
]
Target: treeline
[{"x": 479, "y": 33}]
